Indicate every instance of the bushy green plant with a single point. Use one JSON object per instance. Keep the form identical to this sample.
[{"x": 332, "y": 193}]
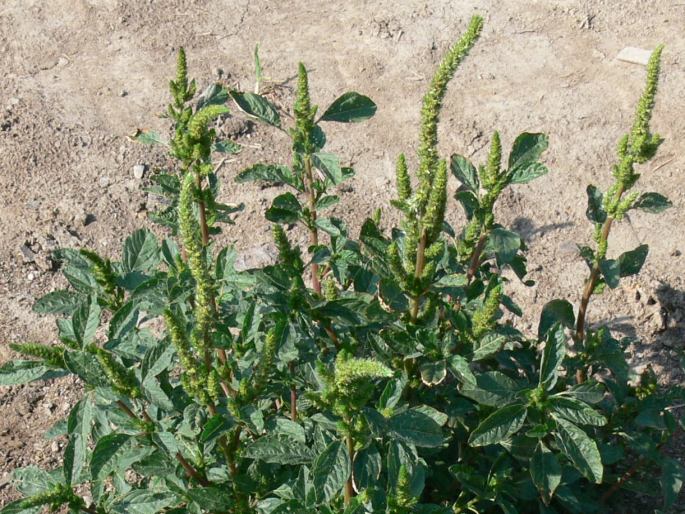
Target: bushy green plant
[{"x": 369, "y": 374}]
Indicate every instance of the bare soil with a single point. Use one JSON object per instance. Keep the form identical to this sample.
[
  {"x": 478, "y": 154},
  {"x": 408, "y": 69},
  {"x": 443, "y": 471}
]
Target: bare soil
[{"x": 78, "y": 76}]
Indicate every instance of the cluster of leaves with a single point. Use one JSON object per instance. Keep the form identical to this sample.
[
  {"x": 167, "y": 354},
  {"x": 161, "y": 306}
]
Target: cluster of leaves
[{"x": 355, "y": 375}]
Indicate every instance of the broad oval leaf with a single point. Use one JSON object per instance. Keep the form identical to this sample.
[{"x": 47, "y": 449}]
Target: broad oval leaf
[
  {"x": 492, "y": 388},
  {"x": 416, "y": 427},
  {"x": 545, "y": 471},
  {"x": 24, "y": 371},
  {"x": 652, "y": 202},
  {"x": 576, "y": 411},
  {"x": 58, "y": 302},
  {"x": 527, "y": 149},
  {"x": 367, "y": 467},
  {"x": 465, "y": 172},
  {"x": 504, "y": 244},
  {"x": 488, "y": 345},
  {"x": 257, "y": 106},
  {"x": 350, "y": 107},
  {"x": 555, "y": 311},
  {"x": 526, "y": 173},
  {"x": 331, "y": 470},
  {"x": 279, "y": 450},
  {"x": 580, "y": 449},
  {"x": 433, "y": 373},
  {"x": 595, "y": 205},
  {"x": 273, "y": 173},
  {"x": 552, "y": 356},
  {"x": 285, "y": 208},
  {"x": 630, "y": 262},
  {"x": 141, "y": 252},
  {"x": 499, "y": 426}
]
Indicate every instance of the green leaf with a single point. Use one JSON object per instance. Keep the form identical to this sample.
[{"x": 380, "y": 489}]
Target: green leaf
[
  {"x": 79, "y": 428},
  {"x": 58, "y": 302},
  {"x": 652, "y": 202},
  {"x": 22, "y": 372},
  {"x": 504, "y": 244},
  {"x": 257, "y": 106},
  {"x": 630, "y": 263},
  {"x": 86, "y": 321},
  {"x": 329, "y": 165},
  {"x": 143, "y": 501},
  {"x": 31, "y": 480},
  {"x": 580, "y": 449},
  {"x": 367, "y": 467},
  {"x": 416, "y": 427},
  {"x": 351, "y": 107},
  {"x": 279, "y": 450},
  {"x": 149, "y": 137},
  {"x": 106, "y": 454},
  {"x": 588, "y": 392},
  {"x": 499, "y": 426},
  {"x": 326, "y": 202},
  {"x": 433, "y": 373},
  {"x": 527, "y": 149},
  {"x": 555, "y": 311},
  {"x": 273, "y": 173},
  {"x": 331, "y": 470},
  {"x": 610, "y": 271},
  {"x": 672, "y": 477},
  {"x": 285, "y": 209},
  {"x": 214, "y": 94},
  {"x": 124, "y": 320},
  {"x": 552, "y": 356},
  {"x": 141, "y": 252},
  {"x": 576, "y": 411},
  {"x": 16, "y": 507},
  {"x": 214, "y": 498},
  {"x": 460, "y": 367},
  {"x": 157, "y": 359},
  {"x": 468, "y": 201},
  {"x": 226, "y": 146},
  {"x": 528, "y": 172},
  {"x": 465, "y": 172},
  {"x": 87, "y": 367},
  {"x": 595, "y": 205},
  {"x": 217, "y": 425},
  {"x": 489, "y": 344},
  {"x": 545, "y": 471},
  {"x": 492, "y": 388}
]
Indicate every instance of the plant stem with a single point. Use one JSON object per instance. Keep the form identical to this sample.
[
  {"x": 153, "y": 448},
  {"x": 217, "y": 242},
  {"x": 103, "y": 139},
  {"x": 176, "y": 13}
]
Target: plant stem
[
  {"x": 420, "y": 264},
  {"x": 475, "y": 258},
  {"x": 293, "y": 394},
  {"x": 590, "y": 286},
  {"x": 349, "y": 486},
  {"x": 313, "y": 232},
  {"x": 221, "y": 353},
  {"x": 191, "y": 471}
]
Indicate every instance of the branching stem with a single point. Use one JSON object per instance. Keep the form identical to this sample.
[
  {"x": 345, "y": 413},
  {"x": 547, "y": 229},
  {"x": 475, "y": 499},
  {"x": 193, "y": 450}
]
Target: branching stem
[
  {"x": 191, "y": 471},
  {"x": 313, "y": 232},
  {"x": 590, "y": 287},
  {"x": 475, "y": 258}
]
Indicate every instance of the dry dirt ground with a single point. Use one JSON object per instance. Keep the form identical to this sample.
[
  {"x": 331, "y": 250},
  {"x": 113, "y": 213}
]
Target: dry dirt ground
[{"x": 78, "y": 76}]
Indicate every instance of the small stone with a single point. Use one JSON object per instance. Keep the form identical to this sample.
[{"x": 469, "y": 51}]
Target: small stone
[
  {"x": 104, "y": 181},
  {"x": 28, "y": 253},
  {"x": 634, "y": 55},
  {"x": 54, "y": 447},
  {"x": 30, "y": 277},
  {"x": 88, "y": 219},
  {"x": 139, "y": 171},
  {"x": 123, "y": 93}
]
